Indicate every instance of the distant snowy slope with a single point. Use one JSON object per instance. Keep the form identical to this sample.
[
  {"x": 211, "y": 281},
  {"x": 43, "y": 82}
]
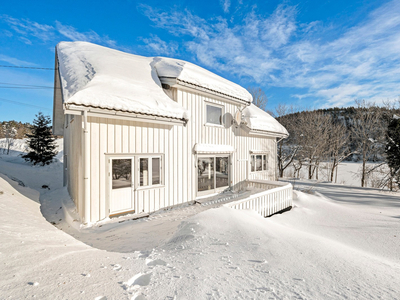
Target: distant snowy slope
[{"x": 19, "y": 146}]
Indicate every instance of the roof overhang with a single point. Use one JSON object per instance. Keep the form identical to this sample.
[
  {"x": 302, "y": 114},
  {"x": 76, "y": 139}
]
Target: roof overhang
[
  {"x": 168, "y": 82},
  {"x": 121, "y": 115},
  {"x": 264, "y": 132}
]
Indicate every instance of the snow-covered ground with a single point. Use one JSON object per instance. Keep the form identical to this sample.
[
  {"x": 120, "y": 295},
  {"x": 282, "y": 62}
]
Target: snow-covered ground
[
  {"x": 338, "y": 242},
  {"x": 348, "y": 173}
]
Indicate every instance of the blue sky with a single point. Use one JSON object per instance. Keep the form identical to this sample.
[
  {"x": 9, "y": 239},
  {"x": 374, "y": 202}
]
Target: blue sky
[{"x": 310, "y": 54}]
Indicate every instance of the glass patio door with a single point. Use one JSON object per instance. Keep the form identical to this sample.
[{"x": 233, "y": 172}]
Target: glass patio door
[{"x": 212, "y": 174}]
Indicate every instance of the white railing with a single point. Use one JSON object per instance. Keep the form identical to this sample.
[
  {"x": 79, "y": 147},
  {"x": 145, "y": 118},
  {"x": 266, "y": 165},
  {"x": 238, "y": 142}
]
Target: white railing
[{"x": 276, "y": 196}]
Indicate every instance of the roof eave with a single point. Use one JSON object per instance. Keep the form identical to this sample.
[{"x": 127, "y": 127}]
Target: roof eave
[
  {"x": 176, "y": 82},
  {"x": 72, "y": 108}
]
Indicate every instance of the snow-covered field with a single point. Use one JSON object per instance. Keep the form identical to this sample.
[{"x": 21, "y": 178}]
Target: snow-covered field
[
  {"x": 339, "y": 242},
  {"x": 348, "y": 173}
]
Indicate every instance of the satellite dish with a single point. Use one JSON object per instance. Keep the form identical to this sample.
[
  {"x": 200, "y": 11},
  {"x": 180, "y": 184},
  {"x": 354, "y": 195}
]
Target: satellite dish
[{"x": 238, "y": 117}]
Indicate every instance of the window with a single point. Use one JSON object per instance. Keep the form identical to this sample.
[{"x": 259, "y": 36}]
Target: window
[
  {"x": 214, "y": 114},
  {"x": 213, "y": 173},
  {"x": 121, "y": 173},
  {"x": 156, "y": 170},
  {"x": 258, "y": 162},
  {"x": 144, "y": 171},
  {"x": 149, "y": 171}
]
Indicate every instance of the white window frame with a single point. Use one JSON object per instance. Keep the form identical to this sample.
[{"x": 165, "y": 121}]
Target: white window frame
[
  {"x": 262, "y": 162},
  {"x": 215, "y": 190},
  {"x": 150, "y": 171},
  {"x": 222, "y": 107}
]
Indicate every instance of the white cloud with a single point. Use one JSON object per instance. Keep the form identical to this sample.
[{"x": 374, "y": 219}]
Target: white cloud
[
  {"x": 74, "y": 35},
  {"x": 275, "y": 50},
  {"x": 15, "y": 61},
  {"x": 160, "y": 47},
  {"x": 225, "y": 5},
  {"x": 27, "y": 30}
]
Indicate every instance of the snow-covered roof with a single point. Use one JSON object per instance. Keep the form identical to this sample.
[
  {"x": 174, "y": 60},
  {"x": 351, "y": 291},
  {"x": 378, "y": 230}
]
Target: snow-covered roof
[
  {"x": 258, "y": 119},
  {"x": 187, "y": 72},
  {"x": 100, "y": 77}
]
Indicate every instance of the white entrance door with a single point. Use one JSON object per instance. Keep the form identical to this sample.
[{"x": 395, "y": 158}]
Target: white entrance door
[{"x": 122, "y": 197}]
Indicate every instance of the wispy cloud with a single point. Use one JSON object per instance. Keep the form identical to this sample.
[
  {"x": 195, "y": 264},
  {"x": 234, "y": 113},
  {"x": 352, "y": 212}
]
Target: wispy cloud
[
  {"x": 277, "y": 50},
  {"x": 225, "y": 5},
  {"x": 91, "y": 36},
  {"x": 27, "y": 30},
  {"x": 160, "y": 47},
  {"x": 15, "y": 61}
]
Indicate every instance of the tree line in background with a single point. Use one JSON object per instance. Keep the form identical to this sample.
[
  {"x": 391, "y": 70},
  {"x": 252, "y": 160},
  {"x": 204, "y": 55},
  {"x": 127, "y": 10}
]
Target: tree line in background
[
  {"x": 40, "y": 140},
  {"x": 10, "y": 130},
  {"x": 365, "y": 133}
]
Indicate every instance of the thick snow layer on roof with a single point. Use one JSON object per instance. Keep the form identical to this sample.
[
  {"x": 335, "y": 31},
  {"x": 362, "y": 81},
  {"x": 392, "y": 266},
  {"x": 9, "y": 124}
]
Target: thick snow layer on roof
[
  {"x": 188, "y": 72},
  {"x": 97, "y": 76},
  {"x": 257, "y": 119}
]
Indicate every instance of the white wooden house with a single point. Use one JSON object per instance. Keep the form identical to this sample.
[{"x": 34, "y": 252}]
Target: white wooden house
[{"x": 146, "y": 133}]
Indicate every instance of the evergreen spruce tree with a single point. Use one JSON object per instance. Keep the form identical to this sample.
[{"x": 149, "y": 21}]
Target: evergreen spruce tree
[
  {"x": 41, "y": 141},
  {"x": 392, "y": 149}
]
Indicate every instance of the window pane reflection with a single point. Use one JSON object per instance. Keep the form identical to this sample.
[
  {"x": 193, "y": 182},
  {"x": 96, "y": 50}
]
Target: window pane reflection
[
  {"x": 205, "y": 173},
  {"x": 155, "y": 170},
  {"x": 144, "y": 171},
  {"x": 214, "y": 115},
  {"x": 121, "y": 173},
  {"x": 258, "y": 163},
  {"x": 221, "y": 171}
]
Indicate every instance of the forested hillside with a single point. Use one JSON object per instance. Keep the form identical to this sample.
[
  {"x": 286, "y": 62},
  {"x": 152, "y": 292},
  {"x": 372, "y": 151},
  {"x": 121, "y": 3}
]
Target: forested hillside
[{"x": 333, "y": 135}]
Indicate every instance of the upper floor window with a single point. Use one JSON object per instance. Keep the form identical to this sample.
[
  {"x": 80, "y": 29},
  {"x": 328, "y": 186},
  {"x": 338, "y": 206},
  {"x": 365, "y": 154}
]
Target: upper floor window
[{"x": 214, "y": 114}]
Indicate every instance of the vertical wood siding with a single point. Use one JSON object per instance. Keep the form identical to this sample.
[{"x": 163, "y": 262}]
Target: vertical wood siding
[
  {"x": 110, "y": 136},
  {"x": 73, "y": 150}
]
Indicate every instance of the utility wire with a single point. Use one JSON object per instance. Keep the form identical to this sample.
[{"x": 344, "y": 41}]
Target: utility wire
[
  {"x": 35, "y": 68},
  {"x": 24, "y": 104},
  {"x": 23, "y": 86}
]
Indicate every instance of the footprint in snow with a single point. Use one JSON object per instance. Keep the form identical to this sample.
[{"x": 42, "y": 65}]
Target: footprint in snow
[
  {"x": 34, "y": 283},
  {"x": 117, "y": 267},
  {"x": 101, "y": 298}
]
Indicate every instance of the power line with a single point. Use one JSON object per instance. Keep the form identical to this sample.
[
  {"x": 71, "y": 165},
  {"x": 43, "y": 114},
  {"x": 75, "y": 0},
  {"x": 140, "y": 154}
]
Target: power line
[
  {"x": 35, "y": 68},
  {"x": 24, "y": 86},
  {"x": 25, "y": 104}
]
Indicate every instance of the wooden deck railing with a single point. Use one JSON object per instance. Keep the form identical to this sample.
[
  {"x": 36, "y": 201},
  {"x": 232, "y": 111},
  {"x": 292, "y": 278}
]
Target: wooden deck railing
[{"x": 276, "y": 196}]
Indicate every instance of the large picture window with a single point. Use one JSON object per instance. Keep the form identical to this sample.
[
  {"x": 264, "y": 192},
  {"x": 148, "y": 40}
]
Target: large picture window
[
  {"x": 213, "y": 173},
  {"x": 258, "y": 162},
  {"x": 149, "y": 171},
  {"x": 214, "y": 114}
]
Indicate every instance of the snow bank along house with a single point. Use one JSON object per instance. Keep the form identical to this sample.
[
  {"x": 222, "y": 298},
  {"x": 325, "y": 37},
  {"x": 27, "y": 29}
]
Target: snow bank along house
[{"x": 146, "y": 133}]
